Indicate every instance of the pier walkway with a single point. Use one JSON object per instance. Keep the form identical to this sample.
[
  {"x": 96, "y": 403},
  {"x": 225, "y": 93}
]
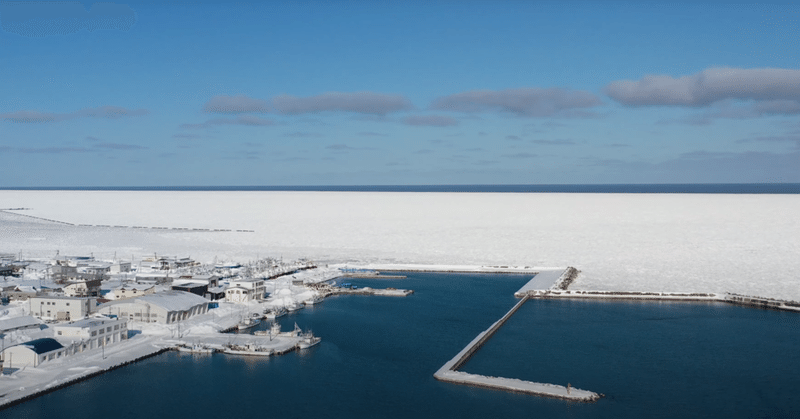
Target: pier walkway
[{"x": 449, "y": 371}]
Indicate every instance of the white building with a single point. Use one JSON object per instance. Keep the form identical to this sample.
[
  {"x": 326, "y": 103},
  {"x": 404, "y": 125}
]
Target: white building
[
  {"x": 32, "y": 353},
  {"x": 92, "y": 333},
  {"x": 163, "y": 307},
  {"x": 61, "y": 308},
  {"x": 83, "y": 288},
  {"x": 244, "y": 290},
  {"x": 71, "y": 338},
  {"x": 120, "y": 267}
]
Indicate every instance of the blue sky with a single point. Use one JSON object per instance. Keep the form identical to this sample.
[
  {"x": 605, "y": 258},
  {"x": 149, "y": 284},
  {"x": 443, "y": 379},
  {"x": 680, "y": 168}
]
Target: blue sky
[{"x": 357, "y": 92}]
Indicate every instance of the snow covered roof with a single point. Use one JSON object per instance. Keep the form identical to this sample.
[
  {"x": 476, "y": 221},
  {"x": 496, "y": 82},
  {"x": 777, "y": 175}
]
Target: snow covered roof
[
  {"x": 43, "y": 345},
  {"x": 18, "y": 322},
  {"x": 169, "y": 300},
  {"x": 91, "y": 322},
  {"x": 136, "y": 287}
]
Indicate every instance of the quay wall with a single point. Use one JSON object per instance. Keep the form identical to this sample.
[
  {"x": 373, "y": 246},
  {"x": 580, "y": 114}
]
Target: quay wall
[{"x": 13, "y": 401}]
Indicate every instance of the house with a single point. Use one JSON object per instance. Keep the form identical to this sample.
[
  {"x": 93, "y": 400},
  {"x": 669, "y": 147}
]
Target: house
[
  {"x": 131, "y": 291},
  {"x": 244, "y": 290},
  {"x": 6, "y": 270},
  {"x": 61, "y": 308},
  {"x": 163, "y": 307},
  {"x": 83, "y": 288},
  {"x": 21, "y": 293}
]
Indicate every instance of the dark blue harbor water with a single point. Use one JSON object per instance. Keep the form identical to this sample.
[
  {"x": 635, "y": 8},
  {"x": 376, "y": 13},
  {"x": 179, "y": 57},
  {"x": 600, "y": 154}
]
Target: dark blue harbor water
[
  {"x": 694, "y": 188},
  {"x": 378, "y": 356}
]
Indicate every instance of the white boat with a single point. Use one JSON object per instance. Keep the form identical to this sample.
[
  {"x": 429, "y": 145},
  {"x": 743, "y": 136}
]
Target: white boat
[
  {"x": 275, "y": 313},
  {"x": 195, "y": 349},
  {"x": 251, "y": 350},
  {"x": 248, "y": 322},
  {"x": 275, "y": 330},
  {"x": 291, "y": 334},
  {"x": 308, "y": 340}
]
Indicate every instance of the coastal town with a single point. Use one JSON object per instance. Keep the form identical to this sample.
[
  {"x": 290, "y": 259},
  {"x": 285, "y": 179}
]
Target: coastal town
[{"x": 70, "y": 317}]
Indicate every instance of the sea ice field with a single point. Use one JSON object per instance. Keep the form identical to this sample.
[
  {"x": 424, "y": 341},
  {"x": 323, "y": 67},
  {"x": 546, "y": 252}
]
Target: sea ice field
[{"x": 747, "y": 244}]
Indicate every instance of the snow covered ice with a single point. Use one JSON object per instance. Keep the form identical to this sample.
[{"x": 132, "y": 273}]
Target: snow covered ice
[{"x": 745, "y": 244}]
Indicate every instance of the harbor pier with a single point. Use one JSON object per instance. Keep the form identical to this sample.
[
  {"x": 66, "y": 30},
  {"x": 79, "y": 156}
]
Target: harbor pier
[{"x": 449, "y": 371}]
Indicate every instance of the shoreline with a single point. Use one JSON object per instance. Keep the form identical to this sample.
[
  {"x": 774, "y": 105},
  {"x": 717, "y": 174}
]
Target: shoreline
[{"x": 559, "y": 278}]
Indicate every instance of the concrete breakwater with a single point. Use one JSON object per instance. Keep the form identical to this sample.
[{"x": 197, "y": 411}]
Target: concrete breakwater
[
  {"x": 449, "y": 371},
  {"x": 737, "y": 299},
  {"x": 386, "y": 292},
  {"x": 762, "y": 302},
  {"x": 376, "y": 275}
]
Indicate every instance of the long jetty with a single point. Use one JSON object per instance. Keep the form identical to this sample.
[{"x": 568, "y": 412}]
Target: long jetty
[{"x": 449, "y": 371}]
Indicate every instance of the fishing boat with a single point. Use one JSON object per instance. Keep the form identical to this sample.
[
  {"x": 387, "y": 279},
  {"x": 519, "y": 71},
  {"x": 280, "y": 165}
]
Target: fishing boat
[
  {"x": 195, "y": 349},
  {"x": 291, "y": 334},
  {"x": 248, "y": 322},
  {"x": 250, "y": 349},
  {"x": 275, "y": 313},
  {"x": 275, "y": 330},
  {"x": 308, "y": 340}
]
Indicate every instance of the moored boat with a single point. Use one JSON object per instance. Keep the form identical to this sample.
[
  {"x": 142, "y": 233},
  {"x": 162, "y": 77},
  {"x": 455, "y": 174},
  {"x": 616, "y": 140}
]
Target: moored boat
[
  {"x": 308, "y": 340},
  {"x": 275, "y": 313},
  {"x": 251, "y": 350},
  {"x": 248, "y": 322},
  {"x": 195, "y": 349}
]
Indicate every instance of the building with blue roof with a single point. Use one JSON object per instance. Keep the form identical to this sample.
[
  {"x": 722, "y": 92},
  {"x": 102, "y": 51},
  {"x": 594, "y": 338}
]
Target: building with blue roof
[{"x": 32, "y": 353}]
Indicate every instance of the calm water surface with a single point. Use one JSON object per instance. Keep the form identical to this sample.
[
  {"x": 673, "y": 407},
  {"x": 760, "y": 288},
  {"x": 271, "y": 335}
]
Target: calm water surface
[{"x": 378, "y": 356}]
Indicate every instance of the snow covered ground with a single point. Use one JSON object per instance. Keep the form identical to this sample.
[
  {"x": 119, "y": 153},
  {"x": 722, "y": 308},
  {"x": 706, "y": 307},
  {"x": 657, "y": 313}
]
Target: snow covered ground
[{"x": 746, "y": 244}]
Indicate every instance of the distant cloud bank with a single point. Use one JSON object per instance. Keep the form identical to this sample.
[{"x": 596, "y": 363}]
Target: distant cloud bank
[
  {"x": 358, "y": 102},
  {"x": 526, "y": 102},
  {"x": 777, "y": 91},
  {"x": 44, "y": 18},
  {"x": 107, "y": 112}
]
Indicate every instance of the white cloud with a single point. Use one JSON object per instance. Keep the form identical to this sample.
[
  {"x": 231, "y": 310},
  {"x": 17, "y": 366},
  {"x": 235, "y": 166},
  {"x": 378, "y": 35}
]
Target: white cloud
[
  {"x": 359, "y": 102},
  {"x": 530, "y": 102},
  {"x": 777, "y": 90}
]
